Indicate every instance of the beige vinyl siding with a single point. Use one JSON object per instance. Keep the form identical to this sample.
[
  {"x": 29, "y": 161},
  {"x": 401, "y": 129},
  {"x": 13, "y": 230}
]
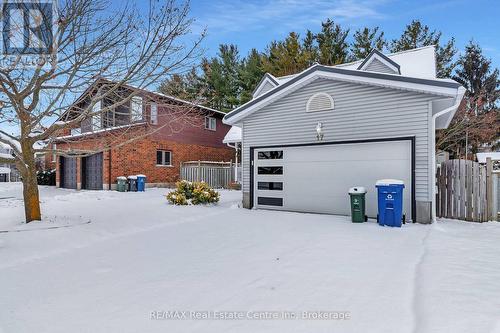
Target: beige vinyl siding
[
  {"x": 361, "y": 112},
  {"x": 377, "y": 66}
]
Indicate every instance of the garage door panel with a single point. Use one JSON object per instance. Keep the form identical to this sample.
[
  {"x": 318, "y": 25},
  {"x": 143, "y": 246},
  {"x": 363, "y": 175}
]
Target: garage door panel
[
  {"x": 69, "y": 170},
  {"x": 317, "y": 178},
  {"x": 93, "y": 172}
]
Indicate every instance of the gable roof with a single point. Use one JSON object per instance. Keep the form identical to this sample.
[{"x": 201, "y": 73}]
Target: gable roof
[
  {"x": 441, "y": 87},
  {"x": 128, "y": 86},
  {"x": 266, "y": 78},
  {"x": 377, "y": 55}
]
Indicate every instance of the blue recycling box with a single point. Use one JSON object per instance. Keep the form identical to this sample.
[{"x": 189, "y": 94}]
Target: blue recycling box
[
  {"x": 141, "y": 183},
  {"x": 390, "y": 202}
]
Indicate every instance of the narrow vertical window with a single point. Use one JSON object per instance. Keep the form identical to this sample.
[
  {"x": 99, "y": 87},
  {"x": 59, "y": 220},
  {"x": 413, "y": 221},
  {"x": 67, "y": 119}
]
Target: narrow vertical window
[
  {"x": 96, "y": 116},
  {"x": 136, "y": 106},
  {"x": 154, "y": 114}
]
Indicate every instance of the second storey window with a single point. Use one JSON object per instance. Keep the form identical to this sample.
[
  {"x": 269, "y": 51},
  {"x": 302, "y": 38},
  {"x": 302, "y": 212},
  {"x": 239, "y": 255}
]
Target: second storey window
[
  {"x": 136, "y": 107},
  {"x": 163, "y": 157},
  {"x": 154, "y": 114},
  {"x": 210, "y": 123}
]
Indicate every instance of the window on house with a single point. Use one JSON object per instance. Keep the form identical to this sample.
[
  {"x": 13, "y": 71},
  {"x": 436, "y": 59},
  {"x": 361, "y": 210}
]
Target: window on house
[
  {"x": 154, "y": 114},
  {"x": 163, "y": 157},
  {"x": 96, "y": 116},
  {"x": 270, "y": 155},
  {"x": 210, "y": 123},
  {"x": 54, "y": 155},
  {"x": 136, "y": 107},
  {"x": 270, "y": 170}
]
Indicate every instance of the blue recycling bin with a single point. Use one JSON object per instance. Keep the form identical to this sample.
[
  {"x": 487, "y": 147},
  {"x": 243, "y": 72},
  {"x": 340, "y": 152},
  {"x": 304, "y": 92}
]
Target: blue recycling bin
[
  {"x": 141, "y": 183},
  {"x": 390, "y": 202}
]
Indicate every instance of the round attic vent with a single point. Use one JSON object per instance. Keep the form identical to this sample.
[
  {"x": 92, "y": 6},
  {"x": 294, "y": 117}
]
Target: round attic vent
[{"x": 319, "y": 102}]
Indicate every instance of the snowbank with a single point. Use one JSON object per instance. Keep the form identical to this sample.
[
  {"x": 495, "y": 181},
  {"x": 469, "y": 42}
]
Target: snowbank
[{"x": 141, "y": 256}]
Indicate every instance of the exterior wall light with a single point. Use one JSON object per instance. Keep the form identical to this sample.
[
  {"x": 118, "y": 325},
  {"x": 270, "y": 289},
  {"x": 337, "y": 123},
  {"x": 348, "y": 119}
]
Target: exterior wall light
[{"x": 319, "y": 131}]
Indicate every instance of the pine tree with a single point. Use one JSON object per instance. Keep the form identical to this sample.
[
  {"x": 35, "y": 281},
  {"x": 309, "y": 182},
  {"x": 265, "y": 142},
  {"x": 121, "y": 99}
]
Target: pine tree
[
  {"x": 221, "y": 78},
  {"x": 478, "y": 117},
  {"x": 284, "y": 57},
  {"x": 310, "y": 49},
  {"x": 250, "y": 73},
  {"x": 418, "y": 35},
  {"x": 186, "y": 86},
  {"x": 333, "y": 47},
  {"x": 476, "y": 74},
  {"x": 366, "y": 40}
]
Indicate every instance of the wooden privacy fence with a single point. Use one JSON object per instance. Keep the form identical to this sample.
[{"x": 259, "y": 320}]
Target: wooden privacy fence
[
  {"x": 464, "y": 191},
  {"x": 215, "y": 174}
]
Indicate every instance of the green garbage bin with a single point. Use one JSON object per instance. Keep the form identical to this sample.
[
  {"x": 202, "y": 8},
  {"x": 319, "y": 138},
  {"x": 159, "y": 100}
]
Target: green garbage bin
[
  {"x": 122, "y": 184},
  {"x": 357, "y": 196}
]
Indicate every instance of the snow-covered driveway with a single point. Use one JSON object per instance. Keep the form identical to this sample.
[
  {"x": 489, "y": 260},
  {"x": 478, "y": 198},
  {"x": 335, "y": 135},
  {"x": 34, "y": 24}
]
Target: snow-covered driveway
[{"x": 140, "y": 255}]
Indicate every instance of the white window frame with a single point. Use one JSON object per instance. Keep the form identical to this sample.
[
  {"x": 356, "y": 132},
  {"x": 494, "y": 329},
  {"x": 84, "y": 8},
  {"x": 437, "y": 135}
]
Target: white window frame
[
  {"x": 136, "y": 108},
  {"x": 154, "y": 114},
  {"x": 163, "y": 151},
  {"x": 211, "y": 123}
]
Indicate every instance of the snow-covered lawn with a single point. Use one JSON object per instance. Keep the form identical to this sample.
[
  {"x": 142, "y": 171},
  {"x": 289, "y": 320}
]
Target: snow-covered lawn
[{"x": 140, "y": 255}]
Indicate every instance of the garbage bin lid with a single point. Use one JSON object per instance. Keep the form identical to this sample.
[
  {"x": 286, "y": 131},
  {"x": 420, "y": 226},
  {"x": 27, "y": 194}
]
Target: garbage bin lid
[
  {"x": 357, "y": 189},
  {"x": 132, "y": 177},
  {"x": 385, "y": 182},
  {"x": 142, "y": 176},
  {"x": 121, "y": 178}
]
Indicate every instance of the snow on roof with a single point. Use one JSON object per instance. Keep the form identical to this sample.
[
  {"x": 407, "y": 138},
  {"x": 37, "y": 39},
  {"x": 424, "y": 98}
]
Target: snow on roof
[
  {"x": 233, "y": 136},
  {"x": 419, "y": 62},
  {"x": 481, "y": 157},
  {"x": 4, "y": 170}
]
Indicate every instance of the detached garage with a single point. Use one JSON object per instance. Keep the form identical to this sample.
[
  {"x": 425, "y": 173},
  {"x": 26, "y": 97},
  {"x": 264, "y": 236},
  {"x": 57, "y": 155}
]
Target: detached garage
[{"x": 313, "y": 135}]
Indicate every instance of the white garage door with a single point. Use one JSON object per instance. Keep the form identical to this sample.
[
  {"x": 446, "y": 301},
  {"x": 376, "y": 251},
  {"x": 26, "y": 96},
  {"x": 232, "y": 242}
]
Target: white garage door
[{"x": 317, "y": 178}]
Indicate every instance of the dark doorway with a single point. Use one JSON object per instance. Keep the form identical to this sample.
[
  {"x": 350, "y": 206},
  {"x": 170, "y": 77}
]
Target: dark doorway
[{"x": 92, "y": 172}]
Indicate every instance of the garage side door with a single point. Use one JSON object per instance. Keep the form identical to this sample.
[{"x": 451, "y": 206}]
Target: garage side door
[
  {"x": 68, "y": 165},
  {"x": 93, "y": 172},
  {"x": 317, "y": 178}
]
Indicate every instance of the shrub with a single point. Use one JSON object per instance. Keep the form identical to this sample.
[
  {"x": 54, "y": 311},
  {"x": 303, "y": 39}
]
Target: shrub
[
  {"x": 194, "y": 193},
  {"x": 46, "y": 177}
]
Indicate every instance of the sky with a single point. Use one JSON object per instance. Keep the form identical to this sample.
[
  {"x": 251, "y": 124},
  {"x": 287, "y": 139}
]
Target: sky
[{"x": 253, "y": 24}]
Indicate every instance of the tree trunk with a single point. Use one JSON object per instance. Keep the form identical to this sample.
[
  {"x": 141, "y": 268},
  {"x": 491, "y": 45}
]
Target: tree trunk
[{"x": 30, "y": 189}]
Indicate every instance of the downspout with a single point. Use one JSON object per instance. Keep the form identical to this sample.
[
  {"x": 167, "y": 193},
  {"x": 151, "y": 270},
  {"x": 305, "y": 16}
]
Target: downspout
[
  {"x": 236, "y": 160},
  {"x": 458, "y": 100},
  {"x": 109, "y": 171}
]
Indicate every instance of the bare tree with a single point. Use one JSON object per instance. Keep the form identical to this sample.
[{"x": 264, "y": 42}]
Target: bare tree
[{"x": 127, "y": 46}]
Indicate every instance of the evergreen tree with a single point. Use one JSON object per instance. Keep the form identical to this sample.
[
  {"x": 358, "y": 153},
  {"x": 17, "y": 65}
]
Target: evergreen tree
[
  {"x": 284, "y": 57},
  {"x": 478, "y": 118},
  {"x": 251, "y": 73},
  {"x": 418, "y": 35},
  {"x": 476, "y": 74},
  {"x": 332, "y": 44},
  {"x": 310, "y": 49},
  {"x": 221, "y": 78},
  {"x": 366, "y": 40},
  {"x": 184, "y": 86}
]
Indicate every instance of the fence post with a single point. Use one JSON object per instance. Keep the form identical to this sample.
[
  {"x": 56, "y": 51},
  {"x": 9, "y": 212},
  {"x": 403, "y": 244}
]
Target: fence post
[
  {"x": 489, "y": 190},
  {"x": 198, "y": 173}
]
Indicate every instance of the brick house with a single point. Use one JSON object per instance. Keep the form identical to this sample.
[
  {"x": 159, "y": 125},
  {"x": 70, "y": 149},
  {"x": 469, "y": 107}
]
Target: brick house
[{"x": 151, "y": 134}]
